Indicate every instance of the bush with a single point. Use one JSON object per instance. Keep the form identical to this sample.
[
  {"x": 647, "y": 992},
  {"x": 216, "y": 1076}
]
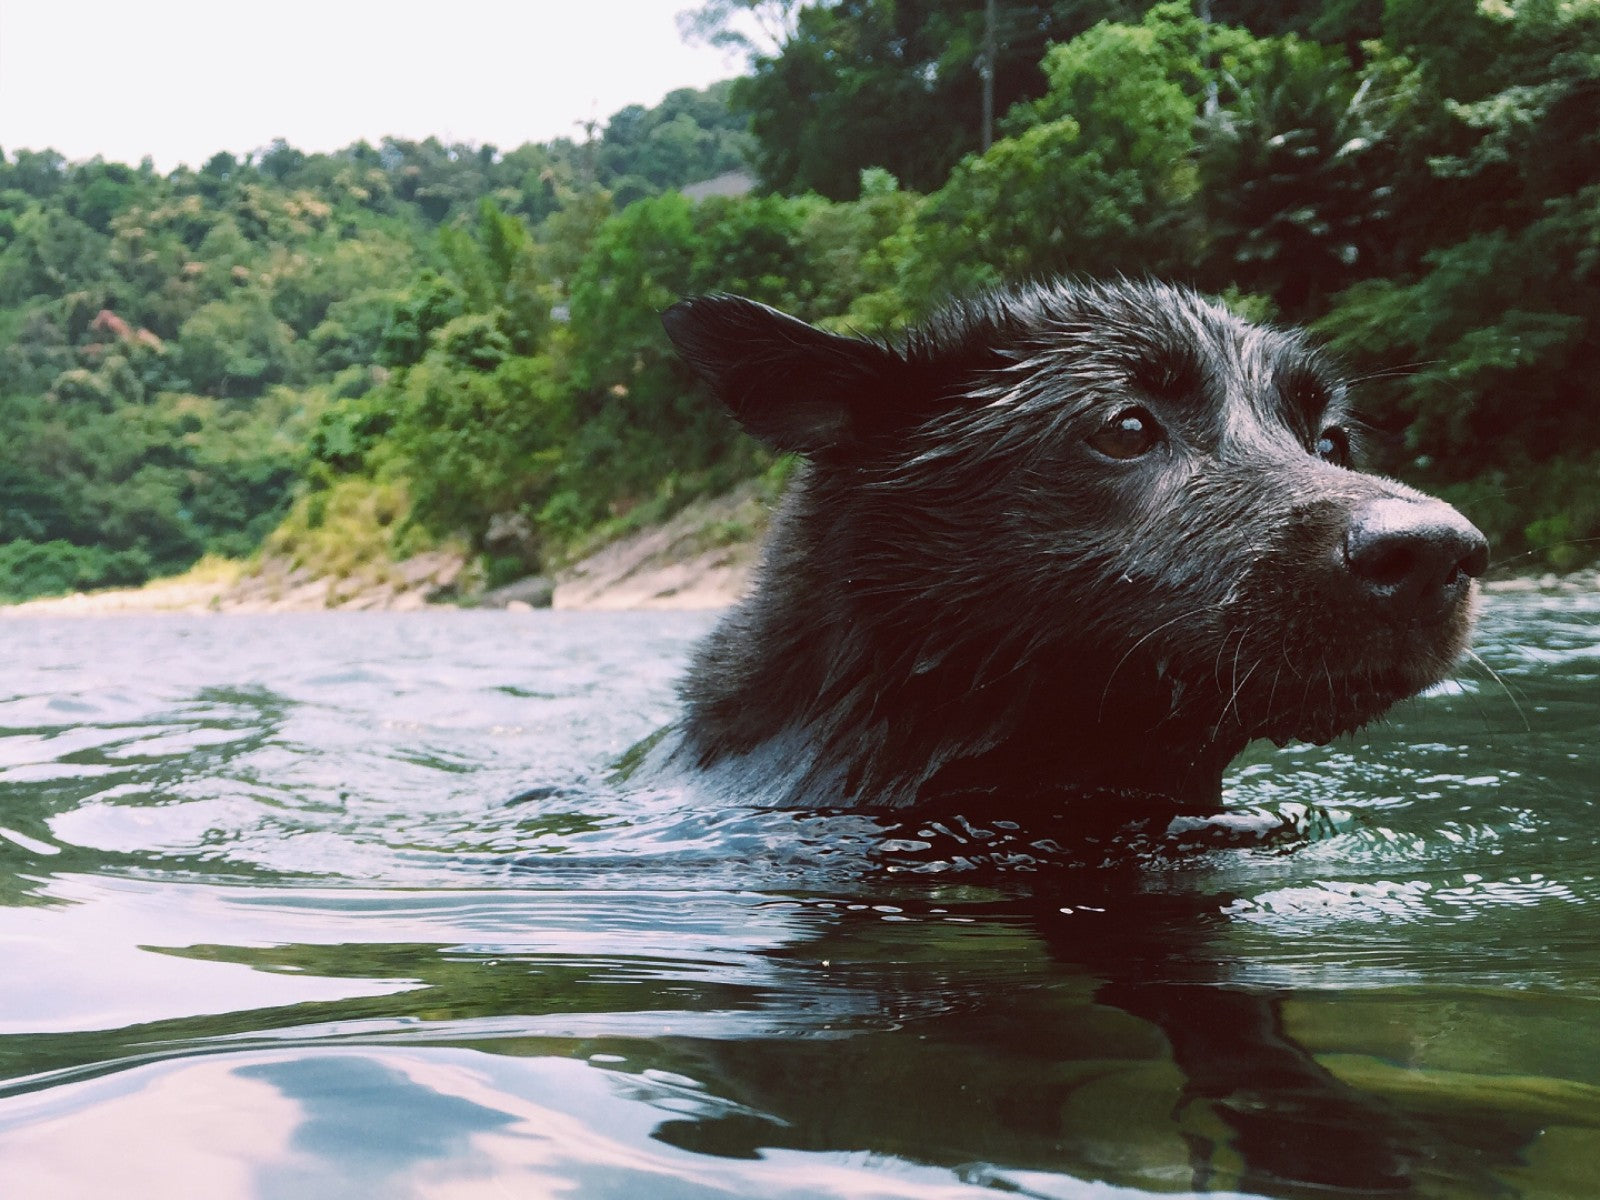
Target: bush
[{"x": 29, "y": 569}]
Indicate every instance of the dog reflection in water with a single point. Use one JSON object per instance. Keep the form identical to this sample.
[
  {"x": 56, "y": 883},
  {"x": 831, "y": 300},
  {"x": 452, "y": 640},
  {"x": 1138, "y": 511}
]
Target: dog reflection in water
[{"x": 1059, "y": 555}]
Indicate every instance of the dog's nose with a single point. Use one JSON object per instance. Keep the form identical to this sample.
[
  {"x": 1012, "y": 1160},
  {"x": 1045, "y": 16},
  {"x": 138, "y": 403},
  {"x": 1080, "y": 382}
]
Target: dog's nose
[{"x": 1414, "y": 556}]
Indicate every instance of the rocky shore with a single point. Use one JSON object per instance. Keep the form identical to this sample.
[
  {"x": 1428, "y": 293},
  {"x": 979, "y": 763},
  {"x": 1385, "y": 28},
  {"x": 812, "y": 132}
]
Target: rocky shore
[
  {"x": 1574, "y": 581},
  {"x": 700, "y": 558}
]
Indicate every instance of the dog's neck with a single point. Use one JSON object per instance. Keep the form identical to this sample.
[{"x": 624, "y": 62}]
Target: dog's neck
[{"x": 864, "y": 718}]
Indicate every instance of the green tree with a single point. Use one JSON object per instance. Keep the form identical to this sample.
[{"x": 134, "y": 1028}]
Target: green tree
[
  {"x": 643, "y": 429},
  {"x": 475, "y": 445},
  {"x": 1486, "y": 356},
  {"x": 431, "y": 303},
  {"x": 236, "y": 348},
  {"x": 869, "y": 83},
  {"x": 1299, "y": 174},
  {"x": 51, "y": 252},
  {"x": 1097, "y": 175},
  {"x": 690, "y": 136}
]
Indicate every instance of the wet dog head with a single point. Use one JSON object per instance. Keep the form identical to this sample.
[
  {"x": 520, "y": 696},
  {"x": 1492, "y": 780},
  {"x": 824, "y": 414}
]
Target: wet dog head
[{"x": 1118, "y": 528}]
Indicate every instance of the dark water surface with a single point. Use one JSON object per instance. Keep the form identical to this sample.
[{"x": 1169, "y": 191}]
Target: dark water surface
[{"x": 344, "y": 906}]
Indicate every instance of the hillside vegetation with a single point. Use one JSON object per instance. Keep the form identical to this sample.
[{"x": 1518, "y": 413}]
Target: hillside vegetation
[{"x": 376, "y": 351}]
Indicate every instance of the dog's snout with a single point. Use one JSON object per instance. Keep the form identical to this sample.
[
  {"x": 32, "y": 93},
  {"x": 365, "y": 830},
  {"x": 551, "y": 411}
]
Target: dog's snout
[{"x": 1414, "y": 556}]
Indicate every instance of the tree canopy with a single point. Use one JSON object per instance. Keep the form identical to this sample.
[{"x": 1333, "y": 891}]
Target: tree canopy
[{"x": 451, "y": 341}]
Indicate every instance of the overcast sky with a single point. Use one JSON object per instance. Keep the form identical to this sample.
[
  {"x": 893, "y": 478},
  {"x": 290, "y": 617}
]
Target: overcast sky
[{"x": 179, "y": 80}]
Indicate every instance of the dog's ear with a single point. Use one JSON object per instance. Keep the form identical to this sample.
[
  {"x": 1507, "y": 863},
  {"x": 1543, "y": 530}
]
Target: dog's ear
[{"x": 794, "y": 386}]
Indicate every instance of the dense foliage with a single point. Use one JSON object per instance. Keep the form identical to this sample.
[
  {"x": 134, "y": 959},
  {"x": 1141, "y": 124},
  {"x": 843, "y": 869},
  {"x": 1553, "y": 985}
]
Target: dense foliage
[
  {"x": 181, "y": 354},
  {"x": 449, "y": 341}
]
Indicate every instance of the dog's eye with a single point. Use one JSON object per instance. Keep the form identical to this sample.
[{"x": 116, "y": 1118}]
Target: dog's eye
[
  {"x": 1334, "y": 446},
  {"x": 1130, "y": 433}
]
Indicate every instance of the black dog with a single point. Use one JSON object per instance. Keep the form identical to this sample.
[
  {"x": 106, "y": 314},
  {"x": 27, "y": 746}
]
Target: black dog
[{"x": 1093, "y": 538}]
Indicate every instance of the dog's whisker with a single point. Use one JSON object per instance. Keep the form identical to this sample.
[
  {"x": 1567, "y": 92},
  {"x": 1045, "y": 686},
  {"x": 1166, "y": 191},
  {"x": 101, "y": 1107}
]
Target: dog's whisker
[
  {"x": 1277, "y": 675},
  {"x": 1233, "y": 700},
  {"x": 1475, "y": 657},
  {"x": 1106, "y": 691}
]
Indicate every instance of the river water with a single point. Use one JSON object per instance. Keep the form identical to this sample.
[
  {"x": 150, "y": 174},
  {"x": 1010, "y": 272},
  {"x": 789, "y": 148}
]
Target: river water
[{"x": 347, "y": 905}]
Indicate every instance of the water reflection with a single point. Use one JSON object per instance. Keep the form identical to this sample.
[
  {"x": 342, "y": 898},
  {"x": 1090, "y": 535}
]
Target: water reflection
[
  {"x": 367, "y": 918},
  {"x": 429, "y": 1123},
  {"x": 363, "y": 1125},
  {"x": 1125, "y": 1055},
  {"x": 1083, "y": 1028}
]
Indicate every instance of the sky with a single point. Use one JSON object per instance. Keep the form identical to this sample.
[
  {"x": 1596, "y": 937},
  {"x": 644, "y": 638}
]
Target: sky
[{"x": 179, "y": 80}]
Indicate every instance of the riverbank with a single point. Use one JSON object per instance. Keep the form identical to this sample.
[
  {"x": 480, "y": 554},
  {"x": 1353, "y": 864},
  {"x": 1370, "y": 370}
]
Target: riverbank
[
  {"x": 1587, "y": 580},
  {"x": 701, "y": 558}
]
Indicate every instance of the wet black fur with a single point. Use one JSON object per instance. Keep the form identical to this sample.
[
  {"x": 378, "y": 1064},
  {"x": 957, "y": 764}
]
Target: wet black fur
[{"x": 961, "y": 593}]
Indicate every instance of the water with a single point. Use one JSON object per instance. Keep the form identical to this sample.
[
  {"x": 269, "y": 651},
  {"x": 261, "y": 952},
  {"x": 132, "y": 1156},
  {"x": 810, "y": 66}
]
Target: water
[{"x": 344, "y": 905}]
